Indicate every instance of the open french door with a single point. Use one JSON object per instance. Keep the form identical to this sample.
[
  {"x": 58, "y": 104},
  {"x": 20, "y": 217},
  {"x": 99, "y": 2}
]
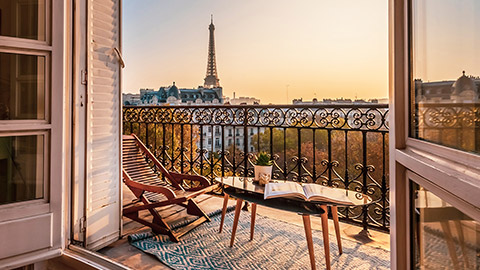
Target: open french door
[
  {"x": 434, "y": 134},
  {"x": 33, "y": 143}
]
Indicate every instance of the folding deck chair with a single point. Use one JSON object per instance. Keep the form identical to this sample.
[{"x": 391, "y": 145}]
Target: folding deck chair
[{"x": 156, "y": 188}]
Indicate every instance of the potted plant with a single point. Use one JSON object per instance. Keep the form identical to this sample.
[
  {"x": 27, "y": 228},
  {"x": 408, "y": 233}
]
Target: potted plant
[{"x": 263, "y": 168}]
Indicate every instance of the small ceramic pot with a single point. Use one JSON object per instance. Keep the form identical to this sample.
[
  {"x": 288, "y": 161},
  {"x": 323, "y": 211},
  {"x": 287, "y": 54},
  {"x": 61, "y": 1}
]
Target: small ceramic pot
[{"x": 263, "y": 174}]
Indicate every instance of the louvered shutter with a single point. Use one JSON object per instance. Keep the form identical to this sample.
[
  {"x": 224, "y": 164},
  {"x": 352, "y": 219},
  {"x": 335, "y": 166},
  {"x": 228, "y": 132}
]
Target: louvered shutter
[{"x": 103, "y": 129}]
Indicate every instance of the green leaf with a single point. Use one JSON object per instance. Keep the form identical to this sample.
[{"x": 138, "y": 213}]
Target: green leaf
[{"x": 263, "y": 159}]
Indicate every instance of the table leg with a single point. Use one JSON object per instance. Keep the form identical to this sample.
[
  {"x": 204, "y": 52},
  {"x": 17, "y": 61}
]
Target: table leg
[
  {"x": 224, "y": 211},
  {"x": 461, "y": 239},
  {"x": 450, "y": 244},
  {"x": 337, "y": 228},
  {"x": 308, "y": 234},
  {"x": 238, "y": 208},
  {"x": 326, "y": 242},
  {"x": 252, "y": 220}
]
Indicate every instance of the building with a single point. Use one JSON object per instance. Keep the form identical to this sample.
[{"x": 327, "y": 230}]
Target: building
[
  {"x": 175, "y": 96},
  {"x": 131, "y": 99},
  {"x": 233, "y": 135},
  {"x": 212, "y": 137},
  {"x": 464, "y": 90},
  {"x": 338, "y": 101},
  {"x": 447, "y": 112},
  {"x": 210, "y": 93},
  {"x": 242, "y": 100}
]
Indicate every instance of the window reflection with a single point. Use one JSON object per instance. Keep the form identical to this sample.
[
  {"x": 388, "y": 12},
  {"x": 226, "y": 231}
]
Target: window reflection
[
  {"x": 443, "y": 237},
  {"x": 446, "y": 70},
  {"x": 22, "y": 19},
  {"x": 22, "y": 86},
  {"x": 21, "y": 168}
]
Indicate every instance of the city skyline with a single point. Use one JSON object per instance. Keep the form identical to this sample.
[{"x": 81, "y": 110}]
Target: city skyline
[{"x": 257, "y": 55}]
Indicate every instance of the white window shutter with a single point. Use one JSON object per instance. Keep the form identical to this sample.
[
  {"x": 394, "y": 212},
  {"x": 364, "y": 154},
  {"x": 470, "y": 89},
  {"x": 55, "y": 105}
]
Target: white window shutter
[{"x": 103, "y": 127}]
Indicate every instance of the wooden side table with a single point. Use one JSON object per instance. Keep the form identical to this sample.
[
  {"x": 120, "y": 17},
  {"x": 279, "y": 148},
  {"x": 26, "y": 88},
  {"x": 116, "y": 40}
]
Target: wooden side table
[{"x": 243, "y": 189}]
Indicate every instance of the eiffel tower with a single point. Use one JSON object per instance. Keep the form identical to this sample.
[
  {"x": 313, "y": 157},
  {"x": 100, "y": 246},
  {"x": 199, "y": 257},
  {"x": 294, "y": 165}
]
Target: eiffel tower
[{"x": 211, "y": 79}]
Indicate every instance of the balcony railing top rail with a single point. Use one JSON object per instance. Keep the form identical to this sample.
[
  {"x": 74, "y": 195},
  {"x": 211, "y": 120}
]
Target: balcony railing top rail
[
  {"x": 371, "y": 117},
  {"x": 314, "y": 105}
]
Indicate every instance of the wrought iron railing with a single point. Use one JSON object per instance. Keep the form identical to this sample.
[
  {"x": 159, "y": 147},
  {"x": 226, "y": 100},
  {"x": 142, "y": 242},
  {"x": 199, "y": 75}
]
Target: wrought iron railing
[
  {"x": 336, "y": 145},
  {"x": 455, "y": 125}
]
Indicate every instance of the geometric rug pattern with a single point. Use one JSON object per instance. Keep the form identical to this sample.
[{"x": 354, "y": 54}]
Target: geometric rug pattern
[
  {"x": 437, "y": 255},
  {"x": 276, "y": 245}
]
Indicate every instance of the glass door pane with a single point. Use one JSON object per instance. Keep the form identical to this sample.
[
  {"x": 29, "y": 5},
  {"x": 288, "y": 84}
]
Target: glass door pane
[
  {"x": 23, "y": 19},
  {"x": 443, "y": 237},
  {"x": 21, "y": 168},
  {"x": 22, "y": 86},
  {"x": 445, "y": 83}
]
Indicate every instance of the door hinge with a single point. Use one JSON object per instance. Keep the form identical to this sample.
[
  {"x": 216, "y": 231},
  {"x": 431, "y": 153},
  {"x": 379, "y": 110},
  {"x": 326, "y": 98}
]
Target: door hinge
[
  {"x": 83, "y": 77},
  {"x": 82, "y": 224}
]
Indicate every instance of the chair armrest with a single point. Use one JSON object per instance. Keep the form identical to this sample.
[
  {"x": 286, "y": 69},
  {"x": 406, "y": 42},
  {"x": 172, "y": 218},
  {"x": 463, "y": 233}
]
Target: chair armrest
[
  {"x": 202, "y": 180},
  {"x": 143, "y": 187}
]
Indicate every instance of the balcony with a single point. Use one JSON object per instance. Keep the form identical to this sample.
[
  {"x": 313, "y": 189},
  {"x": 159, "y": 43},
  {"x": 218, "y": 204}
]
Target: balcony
[{"x": 343, "y": 146}]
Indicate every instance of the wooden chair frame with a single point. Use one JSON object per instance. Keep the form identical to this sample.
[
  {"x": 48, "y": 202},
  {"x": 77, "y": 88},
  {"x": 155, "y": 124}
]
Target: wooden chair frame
[{"x": 139, "y": 177}]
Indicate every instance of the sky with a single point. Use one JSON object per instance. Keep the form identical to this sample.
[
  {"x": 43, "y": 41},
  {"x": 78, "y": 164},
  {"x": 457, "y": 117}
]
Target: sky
[
  {"x": 444, "y": 48},
  {"x": 274, "y": 50}
]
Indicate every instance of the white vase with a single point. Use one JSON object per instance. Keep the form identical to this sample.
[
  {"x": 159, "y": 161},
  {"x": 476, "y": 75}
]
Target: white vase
[{"x": 263, "y": 173}]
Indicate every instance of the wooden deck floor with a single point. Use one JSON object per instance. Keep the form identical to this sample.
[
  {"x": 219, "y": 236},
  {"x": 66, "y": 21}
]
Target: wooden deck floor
[{"x": 122, "y": 252}]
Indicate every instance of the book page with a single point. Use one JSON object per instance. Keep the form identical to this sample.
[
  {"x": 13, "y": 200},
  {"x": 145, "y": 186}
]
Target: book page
[
  {"x": 286, "y": 189},
  {"x": 315, "y": 192}
]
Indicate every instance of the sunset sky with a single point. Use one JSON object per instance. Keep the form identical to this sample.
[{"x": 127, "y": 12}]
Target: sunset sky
[
  {"x": 445, "y": 48},
  {"x": 313, "y": 48}
]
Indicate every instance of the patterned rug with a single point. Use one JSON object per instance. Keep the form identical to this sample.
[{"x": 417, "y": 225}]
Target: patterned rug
[
  {"x": 438, "y": 257},
  {"x": 276, "y": 245}
]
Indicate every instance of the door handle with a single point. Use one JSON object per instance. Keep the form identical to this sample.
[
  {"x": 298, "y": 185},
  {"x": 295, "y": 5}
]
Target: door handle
[{"x": 120, "y": 57}]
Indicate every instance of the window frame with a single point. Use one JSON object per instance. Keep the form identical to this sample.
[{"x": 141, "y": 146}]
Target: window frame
[
  {"x": 458, "y": 155},
  {"x": 9, "y": 41},
  {"x": 10, "y": 210},
  {"x": 459, "y": 203},
  {"x": 452, "y": 162},
  {"x": 25, "y": 127},
  {"x": 26, "y": 124},
  {"x": 444, "y": 194}
]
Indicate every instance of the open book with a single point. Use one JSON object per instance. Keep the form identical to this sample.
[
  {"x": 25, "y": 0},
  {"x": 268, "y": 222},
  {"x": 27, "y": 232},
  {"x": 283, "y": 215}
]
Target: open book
[{"x": 307, "y": 192}]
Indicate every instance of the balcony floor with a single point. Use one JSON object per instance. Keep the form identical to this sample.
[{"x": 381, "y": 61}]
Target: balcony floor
[{"x": 121, "y": 251}]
